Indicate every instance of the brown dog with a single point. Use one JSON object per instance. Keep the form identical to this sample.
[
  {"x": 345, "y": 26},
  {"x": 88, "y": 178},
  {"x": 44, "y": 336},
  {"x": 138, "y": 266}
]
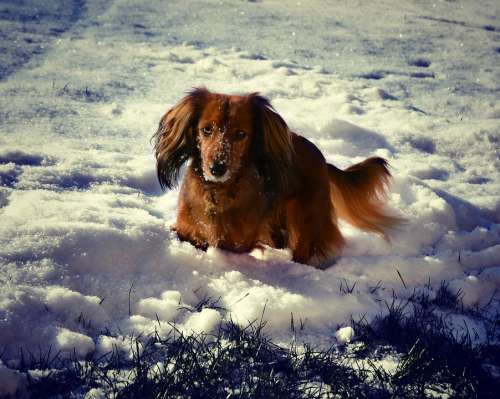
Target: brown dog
[{"x": 251, "y": 181}]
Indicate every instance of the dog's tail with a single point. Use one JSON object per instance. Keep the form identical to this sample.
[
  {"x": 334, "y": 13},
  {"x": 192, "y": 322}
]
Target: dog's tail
[{"x": 358, "y": 192}]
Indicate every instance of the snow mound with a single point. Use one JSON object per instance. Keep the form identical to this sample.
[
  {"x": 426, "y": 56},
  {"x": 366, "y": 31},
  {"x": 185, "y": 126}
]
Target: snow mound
[
  {"x": 73, "y": 343},
  {"x": 344, "y": 335}
]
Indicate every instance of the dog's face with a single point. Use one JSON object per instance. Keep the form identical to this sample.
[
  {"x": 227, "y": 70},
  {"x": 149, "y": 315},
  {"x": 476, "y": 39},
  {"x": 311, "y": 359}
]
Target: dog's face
[{"x": 224, "y": 134}]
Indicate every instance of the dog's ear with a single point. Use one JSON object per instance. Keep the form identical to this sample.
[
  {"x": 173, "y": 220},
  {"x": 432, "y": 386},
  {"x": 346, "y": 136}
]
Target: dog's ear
[
  {"x": 273, "y": 146},
  {"x": 174, "y": 139}
]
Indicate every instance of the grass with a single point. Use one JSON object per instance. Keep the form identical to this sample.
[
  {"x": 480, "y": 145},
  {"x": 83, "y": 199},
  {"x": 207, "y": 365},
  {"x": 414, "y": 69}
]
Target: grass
[{"x": 433, "y": 360}]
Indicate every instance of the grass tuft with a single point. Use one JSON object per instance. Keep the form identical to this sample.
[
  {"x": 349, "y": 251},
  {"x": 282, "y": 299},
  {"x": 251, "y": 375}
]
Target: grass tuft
[{"x": 408, "y": 351}]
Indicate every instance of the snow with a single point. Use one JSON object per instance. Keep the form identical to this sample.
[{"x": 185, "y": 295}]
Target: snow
[
  {"x": 87, "y": 259},
  {"x": 73, "y": 343},
  {"x": 107, "y": 345},
  {"x": 95, "y": 393},
  {"x": 344, "y": 335},
  {"x": 165, "y": 308},
  {"x": 205, "y": 321},
  {"x": 12, "y": 382}
]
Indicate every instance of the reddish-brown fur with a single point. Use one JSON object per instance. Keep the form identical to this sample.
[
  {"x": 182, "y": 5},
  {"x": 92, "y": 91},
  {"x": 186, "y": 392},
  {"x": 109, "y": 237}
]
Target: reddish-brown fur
[{"x": 251, "y": 181}]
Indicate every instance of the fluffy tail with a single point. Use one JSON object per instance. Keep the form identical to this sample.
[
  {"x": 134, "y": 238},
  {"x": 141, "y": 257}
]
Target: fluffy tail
[{"x": 358, "y": 193}]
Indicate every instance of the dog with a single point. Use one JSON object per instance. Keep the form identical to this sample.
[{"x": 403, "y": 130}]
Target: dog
[{"x": 251, "y": 182}]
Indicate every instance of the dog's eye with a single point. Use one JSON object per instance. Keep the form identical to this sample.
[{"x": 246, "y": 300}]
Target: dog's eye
[
  {"x": 207, "y": 130},
  {"x": 240, "y": 134}
]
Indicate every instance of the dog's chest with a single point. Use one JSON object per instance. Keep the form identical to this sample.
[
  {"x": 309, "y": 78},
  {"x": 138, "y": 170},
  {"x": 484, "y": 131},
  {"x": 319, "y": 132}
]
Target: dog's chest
[
  {"x": 218, "y": 203},
  {"x": 230, "y": 218}
]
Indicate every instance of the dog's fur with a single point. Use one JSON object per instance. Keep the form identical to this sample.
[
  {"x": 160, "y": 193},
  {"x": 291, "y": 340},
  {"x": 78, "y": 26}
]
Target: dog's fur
[{"x": 252, "y": 182}]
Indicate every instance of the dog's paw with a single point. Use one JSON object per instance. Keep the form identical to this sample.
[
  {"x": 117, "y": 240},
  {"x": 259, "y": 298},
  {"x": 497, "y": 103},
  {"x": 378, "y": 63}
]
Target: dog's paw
[{"x": 267, "y": 253}]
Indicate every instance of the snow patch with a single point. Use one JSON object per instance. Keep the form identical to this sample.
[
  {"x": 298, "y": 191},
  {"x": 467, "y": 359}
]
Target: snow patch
[
  {"x": 12, "y": 382},
  {"x": 165, "y": 309},
  {"x": 73, "y": 343},
  {"x": 205, "y": 321},
  {"x": 344, "y": 335}
]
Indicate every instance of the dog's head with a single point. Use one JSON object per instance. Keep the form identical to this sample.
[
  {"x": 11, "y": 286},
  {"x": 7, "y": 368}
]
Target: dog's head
[{"x": 224, "y": 134}]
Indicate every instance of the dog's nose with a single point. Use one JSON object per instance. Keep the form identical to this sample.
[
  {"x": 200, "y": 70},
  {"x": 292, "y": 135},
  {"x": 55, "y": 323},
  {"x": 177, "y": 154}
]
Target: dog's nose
[{"x": 218, "y": 169}]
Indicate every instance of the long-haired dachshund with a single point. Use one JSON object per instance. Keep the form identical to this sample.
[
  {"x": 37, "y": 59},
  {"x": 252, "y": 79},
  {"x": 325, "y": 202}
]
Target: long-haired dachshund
[{"x": 252, "y": 182}]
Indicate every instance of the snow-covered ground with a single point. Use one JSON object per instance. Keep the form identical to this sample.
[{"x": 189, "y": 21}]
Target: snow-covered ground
[{"x": 86, "y": 256}]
